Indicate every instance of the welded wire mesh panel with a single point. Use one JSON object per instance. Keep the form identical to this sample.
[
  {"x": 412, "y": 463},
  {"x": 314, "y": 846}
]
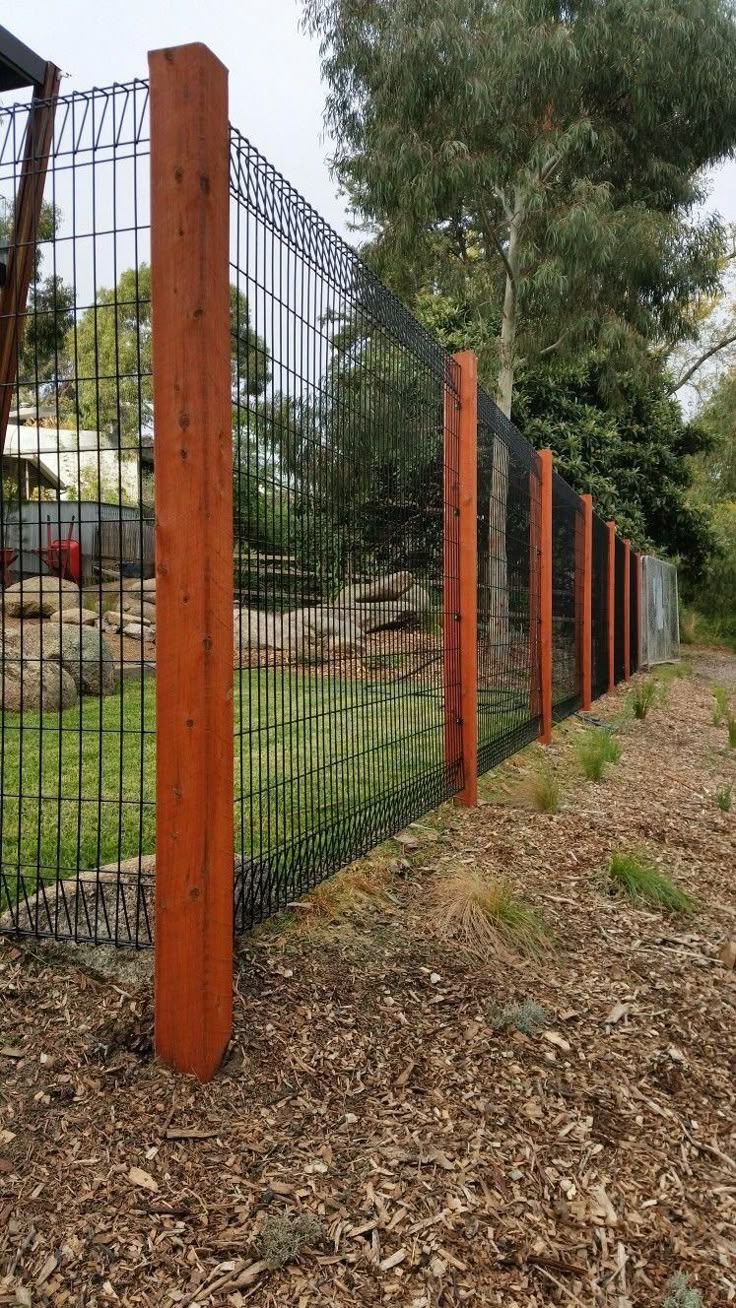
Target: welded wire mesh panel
[
  {"x": 508, "y": 557},
  {"x": 619, "y": 572},
  {"x": 599, "y": 608},
  {"x": 78, "y": 604},
  {"x": 340, "y": 404},
  {"x": 659, "y": 615},
  {"x": 633, "y": 616},
  {"x": 567, "y": 600}
]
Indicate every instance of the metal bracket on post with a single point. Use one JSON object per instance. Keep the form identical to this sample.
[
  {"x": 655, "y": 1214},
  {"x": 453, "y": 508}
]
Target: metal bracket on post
[
  {"x": 545, "y": 594},
  {"x": 586, "y": 586},
  {"x": 190, "y": 298}
]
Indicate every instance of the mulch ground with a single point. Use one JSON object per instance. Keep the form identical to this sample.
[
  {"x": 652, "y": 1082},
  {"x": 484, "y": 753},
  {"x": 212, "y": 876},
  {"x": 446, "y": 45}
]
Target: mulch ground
[{"x": 446, "y": 1161}]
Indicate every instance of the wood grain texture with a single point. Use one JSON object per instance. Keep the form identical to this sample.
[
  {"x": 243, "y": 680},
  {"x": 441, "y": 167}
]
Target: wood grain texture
[{"x": 461, "y": 634}]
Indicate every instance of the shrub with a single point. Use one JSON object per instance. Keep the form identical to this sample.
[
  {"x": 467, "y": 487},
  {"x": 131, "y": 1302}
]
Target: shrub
[
  {"x": 527, "y": 1017},
  {"x": 597, "y": 748},
  {"x": 282, "y": 1238},
  {"x": 643, "y": 697},
  {"x": 724, "y": 795},
  {"x": 544, "y": 790},
  {"x": 679, "y": 1293},
  {"x": 638, "y": 877},
  {"x": 720, "y": 704},
  {"x": 486, "y": 918}
]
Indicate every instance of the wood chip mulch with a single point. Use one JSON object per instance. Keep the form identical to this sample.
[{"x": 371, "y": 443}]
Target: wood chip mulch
[{"x": 446, "y": 1161}]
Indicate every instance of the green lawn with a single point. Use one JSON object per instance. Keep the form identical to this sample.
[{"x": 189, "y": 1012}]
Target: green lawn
[{"x": 309, "y": 752}]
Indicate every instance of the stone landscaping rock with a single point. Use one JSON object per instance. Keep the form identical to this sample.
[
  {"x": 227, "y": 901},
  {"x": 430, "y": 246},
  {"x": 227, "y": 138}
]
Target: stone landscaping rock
[
  {"x": 311, "y": 635},
  {"x": 35, "y": 597},
  {"x": 138, "y": 631},
  {"x": 82, "y": 617},
  {"x": 392, "y": 601},
  {"x": 133, "y": 605},
  {"x": 32, "y": 686},
  {"x": 81, "y": 651}
]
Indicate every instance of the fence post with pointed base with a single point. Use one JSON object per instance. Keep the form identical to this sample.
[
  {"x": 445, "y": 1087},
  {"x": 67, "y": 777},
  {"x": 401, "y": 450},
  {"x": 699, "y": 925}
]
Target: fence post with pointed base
[
  {"x": 586, "y": 586},
  {"x": 190, "y": 297},
  {"x": 545, "y": 594}
]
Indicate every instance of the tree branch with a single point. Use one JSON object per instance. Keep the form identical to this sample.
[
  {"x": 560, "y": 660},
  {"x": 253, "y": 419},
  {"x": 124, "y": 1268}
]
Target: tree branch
[
  {"x": 548, "y": 349},
  {"x": 704, "y": 357}
]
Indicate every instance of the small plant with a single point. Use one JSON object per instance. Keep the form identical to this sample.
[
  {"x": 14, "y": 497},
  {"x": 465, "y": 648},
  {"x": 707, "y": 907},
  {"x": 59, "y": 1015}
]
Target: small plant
[
  {"x": 527, "y": 1017},
  {"x": 486, "y": 917},
  {"x": 544, "y": 790},
  {"x": 724, "y": 796},
  {"x": 282, "y": 1238},
  {"x": 720, "y": 704},
  {"x": 643, "y": 697},
  {"x": 638, "y": 877},
  {"x": 679, "y": 1293},
  {"x": 731, "y": 728},
  {"x": 596, "y": 749}
]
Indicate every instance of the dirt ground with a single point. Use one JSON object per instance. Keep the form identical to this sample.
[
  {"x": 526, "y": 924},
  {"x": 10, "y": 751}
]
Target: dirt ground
[{"x": 446, "y": 1161}]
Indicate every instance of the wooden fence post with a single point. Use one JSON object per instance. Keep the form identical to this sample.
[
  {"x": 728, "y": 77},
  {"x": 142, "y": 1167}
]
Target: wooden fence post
[
  {"x": 586, "y": 584},
  {"x": 545, "y": 593},
  {"x": 194, "y": 586},
  {"x": 611, "y": 591},
  {"x": 627, "y": 609},
  {"x": 461, "y": 575}
]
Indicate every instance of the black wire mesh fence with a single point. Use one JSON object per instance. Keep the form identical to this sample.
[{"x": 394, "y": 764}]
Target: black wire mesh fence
[
  {"x": 508, "y": 553},
  {"x": 599, "y": 608},
  {"x": 567, "y": 606},
  {"x": 619, "y": 646},
  {"x": 78, "y": 612}
]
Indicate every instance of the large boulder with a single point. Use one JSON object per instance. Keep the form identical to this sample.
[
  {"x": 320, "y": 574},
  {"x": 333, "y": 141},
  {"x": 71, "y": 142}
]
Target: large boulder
[
  {"x": 81, "y": 651},
  {"x": 392, "y": 601},
  {"x": 311, "y": 635},
  {"x": 82, "y": 617},
  {"x": 39, "y": 597},
  {"x": 32, "y": 686}
]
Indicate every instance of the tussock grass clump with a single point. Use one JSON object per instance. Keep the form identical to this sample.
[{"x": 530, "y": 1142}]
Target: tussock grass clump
[
  {"x": 486, "y": 918},
  {"x": 543, "y": 789},
  {"x": 527, "y": 1017},
  {"x": 596, "y": 749},
  {"x": 731, "y": 728},
  {"x": 724, "y": 797},
  {"x": 679, "y": 1293},
  {"x": 282, "y": 1238},
  {"x": 720, "y": 704},
  {"x": 637, "y": 876},
  {"x": 643, "y": 697}
]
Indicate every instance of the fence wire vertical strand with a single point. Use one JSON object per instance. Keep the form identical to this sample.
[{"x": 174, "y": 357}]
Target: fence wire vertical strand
[
  {"x": 508, "y": 660},
  {"x": 567, "y": 529},
  {"x": 599, "y": 608},
  {"x": 618, "y": 633},
  {"x": 76, "y": 744},
  {"x": 339, "y": 414}
]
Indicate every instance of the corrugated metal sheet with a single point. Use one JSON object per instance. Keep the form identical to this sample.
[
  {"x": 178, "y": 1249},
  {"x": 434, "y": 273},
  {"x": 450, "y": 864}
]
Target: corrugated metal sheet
[{"x": 128, "y": 534}]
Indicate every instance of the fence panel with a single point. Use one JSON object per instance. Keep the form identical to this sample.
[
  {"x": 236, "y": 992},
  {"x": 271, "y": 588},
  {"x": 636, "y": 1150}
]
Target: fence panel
[
  {"x": 659, "y": 613},
  {"x": 339, "y": 403},
  {"x": 567, "y": 602},
  {"x": 508, "y": 631},
  {"x": 599, "y": 608},
  {"x": 619, "y": 597},
  {"x": 633, "y": 615},
  {"x": 78, "y": 614}
]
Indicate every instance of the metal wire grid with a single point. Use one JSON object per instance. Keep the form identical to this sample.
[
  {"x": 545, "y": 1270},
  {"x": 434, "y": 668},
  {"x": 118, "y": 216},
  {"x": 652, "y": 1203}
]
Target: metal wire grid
[
  {"x": 619, "y": 572},
  {"x": 77, "y": 730},
  {"x": 633, "y": 617},
  {"x": 567, "y": 599},
  {"x": 659, "y": 612},
  {"x": 599, "y": 608},
  {"x": 508, "y": 560},
  {"x": 339, "y": 403}
]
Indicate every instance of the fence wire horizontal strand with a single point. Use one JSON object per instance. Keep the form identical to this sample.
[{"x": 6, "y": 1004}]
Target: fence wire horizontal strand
[
  {"x": 340, "y": 498},
  {"x": 78, "y": 611}
]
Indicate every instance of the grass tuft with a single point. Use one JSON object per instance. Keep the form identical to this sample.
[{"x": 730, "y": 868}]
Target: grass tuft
[
  {"x": 724, "y": 796},
  {"x": 638, "y": 877},
  {"x": 527, "y": 1017},
  {"x": 720, "y": 704},
  {"x": 679, "y": 1293},
  {"x": 543, "y": 789},
  {"x": 486, "y": 917},
  {"x": 282, "y": 1239},
  {"x": 596, "y": 749},
  {"x": 731, "y": 728},
  {"x": 643, "y": 697}
]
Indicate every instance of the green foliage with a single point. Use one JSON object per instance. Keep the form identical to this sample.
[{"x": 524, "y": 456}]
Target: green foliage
[
  {"x": 527, "y": 1017},
  {"x": 731, "y": 728},
  {"x": 642, "y": 697},
  {"x": 638, "y": 877},
  {"x": 544, "y": 789},
  {"x": 282, "y": 1239},
  {"x": 50, "y": 306},
  {"x": 597, "y": 748},
  {"x": 679, "y": 1293},
  {"x": 720, "y": 704},
  {"x": 724, "y": 797}
]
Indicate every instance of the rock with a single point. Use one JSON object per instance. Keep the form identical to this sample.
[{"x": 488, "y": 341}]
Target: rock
[
  {"x": 138, "y": 631},
  {"x": 147, "y": 584},
  {"x": 138, "y": 608},
  {"x": 311, "y": 635},
  {"x": 81, "y": 651},
  {"x": 40, "y": 596},
  {"x": 727, "y": 954},
  {"x": 82, "y": 617},
  {"x": 392, "y": 601},
  {"x": 33, "y": 686}
]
